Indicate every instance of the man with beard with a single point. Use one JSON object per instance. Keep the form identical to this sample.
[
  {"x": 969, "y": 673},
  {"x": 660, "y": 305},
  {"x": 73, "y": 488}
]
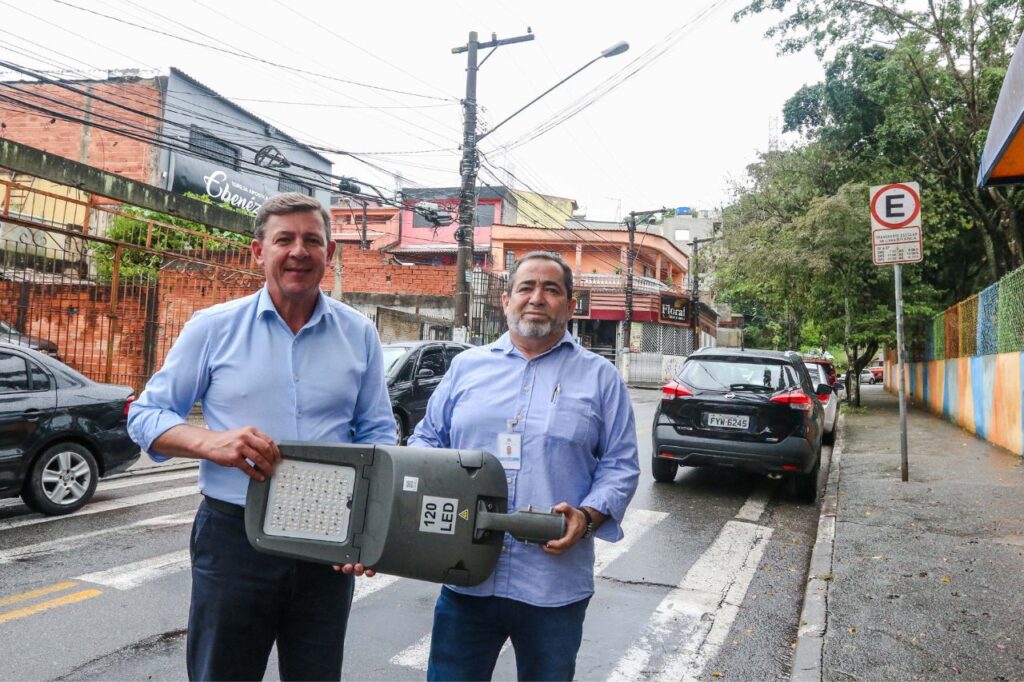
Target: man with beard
[{"x": 559, "y": 419}]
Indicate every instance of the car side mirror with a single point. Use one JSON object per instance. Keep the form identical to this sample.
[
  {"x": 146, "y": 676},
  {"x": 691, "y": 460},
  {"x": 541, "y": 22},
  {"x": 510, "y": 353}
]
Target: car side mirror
[
  {"x": 823, "y": 389},
  {"x": 424, "y": 373}
]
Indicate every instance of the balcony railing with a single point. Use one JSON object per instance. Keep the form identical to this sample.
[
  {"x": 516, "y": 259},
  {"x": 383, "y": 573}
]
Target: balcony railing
[{"x": 610, "y": 282}]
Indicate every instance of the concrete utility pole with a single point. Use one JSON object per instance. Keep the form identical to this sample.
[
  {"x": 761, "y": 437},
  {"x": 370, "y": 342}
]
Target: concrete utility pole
[
  {"x": 470, "y": 163},
  {"x": 695, "y": 291},
  {"x": 468, "y": 168},
  {"x": 627, "y": 323}
]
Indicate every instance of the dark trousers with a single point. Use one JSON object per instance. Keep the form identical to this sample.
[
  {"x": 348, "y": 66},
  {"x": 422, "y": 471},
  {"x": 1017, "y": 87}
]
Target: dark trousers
[
  {"x": 244, "y": 601},
  {"x": 469, "y": 632}
]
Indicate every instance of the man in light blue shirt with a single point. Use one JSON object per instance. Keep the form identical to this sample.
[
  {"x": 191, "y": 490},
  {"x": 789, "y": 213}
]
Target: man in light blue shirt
[
  {"x": 286, "y": 363},
  {"x": 559, "y": 419}
]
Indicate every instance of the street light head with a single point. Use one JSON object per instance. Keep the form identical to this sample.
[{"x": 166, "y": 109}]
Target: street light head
[{"x": 616, "y": 49}]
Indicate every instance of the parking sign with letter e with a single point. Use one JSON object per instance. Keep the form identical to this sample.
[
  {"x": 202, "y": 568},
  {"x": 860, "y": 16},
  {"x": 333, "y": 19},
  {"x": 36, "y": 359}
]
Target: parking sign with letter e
[{"x": 896, "y": 223}]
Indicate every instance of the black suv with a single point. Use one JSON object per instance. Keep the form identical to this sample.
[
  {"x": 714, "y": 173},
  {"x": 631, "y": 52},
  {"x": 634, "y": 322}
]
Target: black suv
[
  {"x": 748, "y": 409},
  {"x": 413, "y": 370},
  {"x": 59, "y": 432}
]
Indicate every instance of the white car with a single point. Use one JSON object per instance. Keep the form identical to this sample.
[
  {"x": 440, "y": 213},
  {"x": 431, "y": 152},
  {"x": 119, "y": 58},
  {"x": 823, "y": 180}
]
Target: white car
[{"x": 829, "y": 401}]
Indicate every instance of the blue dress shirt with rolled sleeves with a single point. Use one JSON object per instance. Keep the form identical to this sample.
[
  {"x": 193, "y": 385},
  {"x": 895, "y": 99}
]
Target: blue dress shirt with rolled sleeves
[
  {"x": 247, "y": 367},
  {"x": 578, "y": 446}
]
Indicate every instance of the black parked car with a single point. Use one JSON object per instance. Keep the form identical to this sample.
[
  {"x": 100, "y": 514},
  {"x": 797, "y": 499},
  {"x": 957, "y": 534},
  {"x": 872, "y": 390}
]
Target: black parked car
[
  {"x": 749, "y": 409},
  {"x": 414, "y": 369},
  {"x": 9, "y": 334},
  {"x": 59, "y": 431}
]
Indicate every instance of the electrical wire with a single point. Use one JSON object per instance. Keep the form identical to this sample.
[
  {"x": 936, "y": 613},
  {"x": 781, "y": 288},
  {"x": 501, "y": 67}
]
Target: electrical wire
[{"x": 244, "y": 55}]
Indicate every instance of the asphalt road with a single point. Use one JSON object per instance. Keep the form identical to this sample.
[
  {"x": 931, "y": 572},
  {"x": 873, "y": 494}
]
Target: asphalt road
[{"x": 708, "y": 580}]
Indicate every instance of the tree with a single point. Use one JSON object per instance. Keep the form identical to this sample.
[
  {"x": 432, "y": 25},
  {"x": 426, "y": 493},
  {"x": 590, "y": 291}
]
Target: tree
[{"x": 913, "y": 90}]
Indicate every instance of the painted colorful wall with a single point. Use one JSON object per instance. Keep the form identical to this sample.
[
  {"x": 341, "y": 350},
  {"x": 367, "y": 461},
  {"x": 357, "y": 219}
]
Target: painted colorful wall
[{"x": 984, "y": 393}]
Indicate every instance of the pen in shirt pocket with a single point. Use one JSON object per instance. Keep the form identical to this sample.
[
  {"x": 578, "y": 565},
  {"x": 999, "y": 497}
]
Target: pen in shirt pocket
[{"x": 554, "y": 394}]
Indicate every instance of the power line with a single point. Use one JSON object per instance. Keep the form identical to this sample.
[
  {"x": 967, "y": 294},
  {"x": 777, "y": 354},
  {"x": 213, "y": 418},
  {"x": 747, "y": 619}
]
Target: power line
[
  {"x": 244, "y": 55},
  {"x": 619, "y": 78}
]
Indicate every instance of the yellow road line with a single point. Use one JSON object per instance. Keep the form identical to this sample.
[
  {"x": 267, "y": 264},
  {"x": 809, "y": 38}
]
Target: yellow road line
[
  {"x": 72, "y": 598},
  {"x": 49, "y": 589}
]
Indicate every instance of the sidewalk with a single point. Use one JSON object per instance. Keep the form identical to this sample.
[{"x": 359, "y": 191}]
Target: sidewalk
[{"x": 925, "y": 579}]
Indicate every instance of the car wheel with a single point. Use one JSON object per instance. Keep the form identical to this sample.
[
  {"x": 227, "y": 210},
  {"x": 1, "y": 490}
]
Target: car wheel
[
  {"x": 664, "y": 470},
  {"x": 61, "y": 480},
  {"x": 806, "y": 485},
  {"x": 399, "y": 429}
]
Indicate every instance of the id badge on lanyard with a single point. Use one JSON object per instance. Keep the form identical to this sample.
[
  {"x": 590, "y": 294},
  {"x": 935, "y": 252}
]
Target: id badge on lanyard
[{"x": 509, "y": 450}]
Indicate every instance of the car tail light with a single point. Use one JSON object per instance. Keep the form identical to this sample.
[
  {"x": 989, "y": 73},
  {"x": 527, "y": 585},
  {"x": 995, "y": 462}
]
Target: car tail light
[
  {"x": 824, "y": 397},
  {"x": 796, "y": 399},
  {"x": 128, "y": 403},
  {"x": 673, "y": 390}
]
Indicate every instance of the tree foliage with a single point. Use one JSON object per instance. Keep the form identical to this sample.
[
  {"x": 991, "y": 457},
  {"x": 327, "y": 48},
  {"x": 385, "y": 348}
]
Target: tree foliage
[
  {"x": 908, "y": 93},
  {"x": 142, "y": 267}
]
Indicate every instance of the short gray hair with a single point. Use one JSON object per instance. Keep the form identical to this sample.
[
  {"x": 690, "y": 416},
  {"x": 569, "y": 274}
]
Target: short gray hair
[
  {"x": 289, "y": 202},
  {"x": 542, "y": 255}
]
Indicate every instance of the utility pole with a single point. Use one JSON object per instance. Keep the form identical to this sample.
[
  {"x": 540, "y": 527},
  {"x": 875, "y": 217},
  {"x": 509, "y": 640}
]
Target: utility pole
[
  {"x": 468, "y": 169},
  {"x": 627, "y": 323},
  {"x": 695, "y": 291},
  {"x": 363, "y": 243}
]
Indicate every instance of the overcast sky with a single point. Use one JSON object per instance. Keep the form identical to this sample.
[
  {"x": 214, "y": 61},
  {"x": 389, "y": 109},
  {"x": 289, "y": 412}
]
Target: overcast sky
[{"x": 675, "y": 133}]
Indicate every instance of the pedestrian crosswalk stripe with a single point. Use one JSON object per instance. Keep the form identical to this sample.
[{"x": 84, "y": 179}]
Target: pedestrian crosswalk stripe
[
  {"x": 83, "y": 539},
  {"x": 757, "y": 502},
  {"x": 131, "y": 575},
  {"x": 148, "y": 479},
  {"x": 691, "y": 622},
  {"x": 106, "y": 505},
  {"x": 635, "y": 525},
  {"x": 367, "y": 586}
]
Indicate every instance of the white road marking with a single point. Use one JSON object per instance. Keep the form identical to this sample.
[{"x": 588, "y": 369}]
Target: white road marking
[
  {"x": 367, "y": 586},
  {"x": 148, "y": 479},
  {"x": 415, "y": 656},
  {"x": 693, "y": 620},
  {"x": 757, "y": 502},
  {"x": 83, "y": 539},
  {"x": 634, "y": 526},
  {"x": 131, "y": 575},
  {"x": 107, "y": 505}
]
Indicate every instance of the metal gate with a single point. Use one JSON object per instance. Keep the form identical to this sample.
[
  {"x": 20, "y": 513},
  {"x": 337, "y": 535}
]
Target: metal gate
[
  {"x": 486, "y": 316},
  {"x": 104, "y": 286}
]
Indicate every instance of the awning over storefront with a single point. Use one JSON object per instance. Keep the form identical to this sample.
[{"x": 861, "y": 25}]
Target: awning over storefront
[{"x": 1002, "y": 162}]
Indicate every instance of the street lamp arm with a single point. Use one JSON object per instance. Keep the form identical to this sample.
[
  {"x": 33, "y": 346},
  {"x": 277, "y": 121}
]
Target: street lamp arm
[{"x": 616, "y": 49}]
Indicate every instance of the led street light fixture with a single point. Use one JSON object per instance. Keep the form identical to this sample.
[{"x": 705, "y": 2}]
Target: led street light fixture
[{"x": 423, "y": 513}]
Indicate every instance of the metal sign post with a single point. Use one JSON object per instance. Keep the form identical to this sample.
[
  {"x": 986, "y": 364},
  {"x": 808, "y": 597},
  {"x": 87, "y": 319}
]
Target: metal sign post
[
  {"x": 896, "y": 238},
  {"x": 904, "y": 465}
]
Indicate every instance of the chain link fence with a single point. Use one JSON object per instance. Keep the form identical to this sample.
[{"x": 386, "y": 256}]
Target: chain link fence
[{"x": 984, "y": 324}]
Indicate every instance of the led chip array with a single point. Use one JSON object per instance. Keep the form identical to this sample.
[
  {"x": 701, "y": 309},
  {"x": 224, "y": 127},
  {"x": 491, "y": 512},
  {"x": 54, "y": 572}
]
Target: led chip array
[{"x": 310, "y": 500}]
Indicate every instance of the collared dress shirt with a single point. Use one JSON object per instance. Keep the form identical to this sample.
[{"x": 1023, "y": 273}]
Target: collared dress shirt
[
  {"x": 578, "y": 446},
  {"x": 322, "y": 384}
]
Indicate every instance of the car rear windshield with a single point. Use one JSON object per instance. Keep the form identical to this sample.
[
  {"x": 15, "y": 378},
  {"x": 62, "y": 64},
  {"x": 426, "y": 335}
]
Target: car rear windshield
[{"x": 732, "y": 374}]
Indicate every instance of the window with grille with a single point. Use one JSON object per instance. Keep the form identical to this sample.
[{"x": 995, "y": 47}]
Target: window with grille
[
  {"x": 289, "y": 185},
  {"x": 510, "y": 260},
  {"x": 212, "y": 148}
]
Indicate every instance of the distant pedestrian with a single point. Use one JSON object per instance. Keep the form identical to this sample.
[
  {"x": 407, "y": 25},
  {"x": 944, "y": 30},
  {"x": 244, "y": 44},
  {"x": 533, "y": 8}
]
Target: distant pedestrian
[
  {"x": 559, "y": 419},
  {"x": 286, "y": 363}
]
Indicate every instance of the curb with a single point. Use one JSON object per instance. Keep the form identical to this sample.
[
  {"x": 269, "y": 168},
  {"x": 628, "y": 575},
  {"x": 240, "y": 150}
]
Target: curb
[{"x": 810, "y": 640}]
